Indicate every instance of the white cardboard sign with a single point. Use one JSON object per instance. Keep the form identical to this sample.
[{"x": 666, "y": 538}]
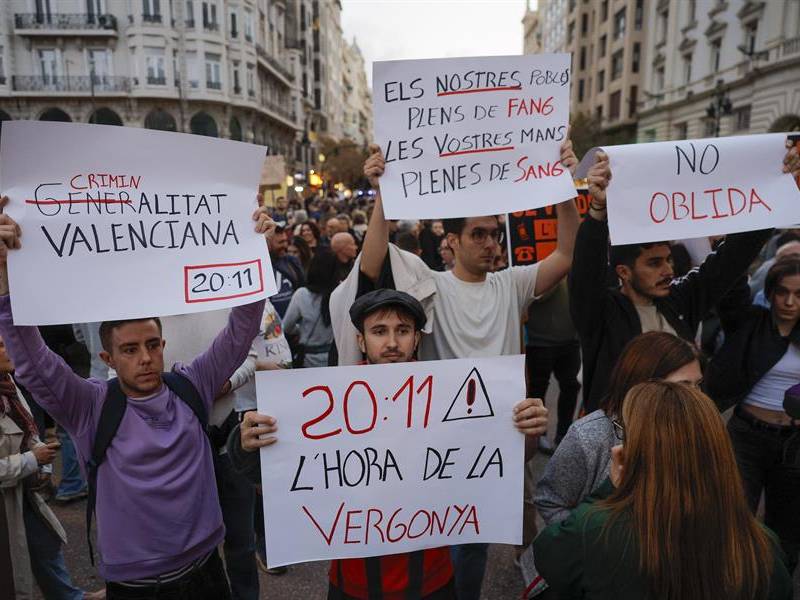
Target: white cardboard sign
[
  {"x": 120, "y": 222},
  {"x": 697, "y": 188},
  {"x": 383, "y": 459},
  {"x": 472, "y": 136}
]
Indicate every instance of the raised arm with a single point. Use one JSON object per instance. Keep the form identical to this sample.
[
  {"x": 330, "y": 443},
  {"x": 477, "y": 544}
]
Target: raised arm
[
  {"x": 556, "y": 266},
  {"x": 587, "y": 280},
  {"x": 376, "y": 240},
  {"x": 67, "y": 397}
]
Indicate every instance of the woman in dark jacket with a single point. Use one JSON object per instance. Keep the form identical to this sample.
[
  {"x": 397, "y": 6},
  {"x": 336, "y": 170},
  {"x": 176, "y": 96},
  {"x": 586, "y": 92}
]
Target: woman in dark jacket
[
  {"x": 672, "y": 522},
  {"x": 757, "y": 364}
]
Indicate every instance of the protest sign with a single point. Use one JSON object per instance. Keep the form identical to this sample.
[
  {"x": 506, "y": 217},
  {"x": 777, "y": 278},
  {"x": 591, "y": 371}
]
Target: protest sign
[
  {"x": 696, "y": 188},
  {"x": 472, "y": 136},
  {"x": 122, "y": 222},
  {"x": 273, "y": 171},
  {"x": 533, "y": 234},
  {"x": 382, "y": 459}
]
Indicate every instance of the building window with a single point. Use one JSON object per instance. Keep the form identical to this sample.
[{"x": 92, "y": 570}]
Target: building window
[
  {"x": 750, "y": 31},
  {"x": 649, "y": 135},
  {"x": 619, "y": 24},
  {"x": 716, "y": 53},
  {"x": 598, "y": 112},
  {"x": 603, "y": 40},
  {"x": 237, "y": 85},
  {"x": 614, "y": 104},
  {"x": 154, "y": 61},
  {"x": 580, "y": 90},
  {"x": 570, "y": 32},
  {"x": 710, "y": 128},
  {"x": 2, "y": 68},
  {"x": 151, "y": 11},
  {"x": 234, "y": 25},
  {"x": 687, "y": 68},
  {"x": 659, "y": 78},
  {"x": 638, "y": 16},
  {"x": 583, "y": 58},
  {"x": 584, "y": 24},
  {"x": 742, "y": 118},
  {"x": 251, "y": 81},
  {"x": 601, "y": 81},
  {"x": 663, "y": 26},
  {"x": 210, "y": 16},
  {"x": 213, "y": 72},
  {"x": 603, "y": 11},
  {"x": 99, "y": 62},
  {"x": 636, "y": 57},
  {"x": 248, "y": 26},
  {"x": 94, "y": 8},
  {"x": 633, "y": 101},
  {"x": 190, "y": 13},
  {"x": 681, "y": 131},
  {"x": 617, "y": 64},
  {"x": 691, "y": 13},
  {"x": 50, "y": 66}
]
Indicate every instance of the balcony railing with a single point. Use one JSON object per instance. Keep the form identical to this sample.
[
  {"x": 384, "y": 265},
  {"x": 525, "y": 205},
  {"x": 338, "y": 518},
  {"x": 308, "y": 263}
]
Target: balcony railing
[
  {"x": 64, "y": 21},
  {"x": 151, "y": 80},
  {"x": 214, "y": 85},
  {"x": 73, "y": 83},
  {"x": 189, "y": 23},
  {"x": 211, "y": 26},
  {"x": 280, "y": 110},
  {"x": 152, "y": 19}
]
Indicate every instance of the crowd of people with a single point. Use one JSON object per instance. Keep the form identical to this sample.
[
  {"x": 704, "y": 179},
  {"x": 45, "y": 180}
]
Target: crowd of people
[{"x": 650, "y": 492}]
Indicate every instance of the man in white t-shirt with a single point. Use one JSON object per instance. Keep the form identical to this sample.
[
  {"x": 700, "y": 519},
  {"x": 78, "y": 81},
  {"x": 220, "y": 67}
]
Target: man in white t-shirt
[{"x": 475, "y": 312}]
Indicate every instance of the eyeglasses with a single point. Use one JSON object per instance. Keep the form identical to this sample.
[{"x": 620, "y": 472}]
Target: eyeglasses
[
  {"x": 619, "y": 430},
  {"x": 479, "y": 235}
]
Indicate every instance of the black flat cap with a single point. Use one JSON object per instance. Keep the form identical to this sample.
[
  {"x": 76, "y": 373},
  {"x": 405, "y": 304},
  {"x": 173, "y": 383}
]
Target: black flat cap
[{"x": 369, "y": 303}]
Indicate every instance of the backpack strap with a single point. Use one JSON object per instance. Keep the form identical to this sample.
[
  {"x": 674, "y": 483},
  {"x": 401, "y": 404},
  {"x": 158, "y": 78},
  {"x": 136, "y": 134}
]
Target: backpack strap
[
  {"x": 185, "y": 390},
  {"x": 110, "y": 417}
]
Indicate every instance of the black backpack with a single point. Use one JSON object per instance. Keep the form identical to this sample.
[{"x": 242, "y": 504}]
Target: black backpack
[{"x": 110, "y": 418}]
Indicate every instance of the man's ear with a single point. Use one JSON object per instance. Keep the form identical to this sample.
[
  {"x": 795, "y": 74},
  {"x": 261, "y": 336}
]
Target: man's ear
[
  {"x": 452, "y": 241},
  {"x": 623, "y": 272},
  {"x": 417, "y": 338},
  {"x": 361, "y": 343},
  {"x": 106, "y": 358}
]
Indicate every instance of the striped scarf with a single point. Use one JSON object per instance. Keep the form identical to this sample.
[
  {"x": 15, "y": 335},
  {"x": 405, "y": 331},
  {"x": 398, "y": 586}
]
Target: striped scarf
[{"x": 11, "y": 405}]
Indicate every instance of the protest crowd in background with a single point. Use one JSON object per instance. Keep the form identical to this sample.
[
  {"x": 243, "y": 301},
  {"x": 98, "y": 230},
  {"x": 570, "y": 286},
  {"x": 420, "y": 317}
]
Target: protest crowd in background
[{"x": 648, "y": 493}]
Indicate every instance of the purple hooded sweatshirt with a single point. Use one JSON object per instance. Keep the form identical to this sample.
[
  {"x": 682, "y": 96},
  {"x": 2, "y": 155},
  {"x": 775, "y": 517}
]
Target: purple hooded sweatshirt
[{"x": 157, "y": 505}]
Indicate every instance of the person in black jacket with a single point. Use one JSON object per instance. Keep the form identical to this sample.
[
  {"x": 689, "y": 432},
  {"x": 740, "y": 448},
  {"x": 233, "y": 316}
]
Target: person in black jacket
[
  {"x": 649, "y": 298},
  {"x": 757, "y": 364}
]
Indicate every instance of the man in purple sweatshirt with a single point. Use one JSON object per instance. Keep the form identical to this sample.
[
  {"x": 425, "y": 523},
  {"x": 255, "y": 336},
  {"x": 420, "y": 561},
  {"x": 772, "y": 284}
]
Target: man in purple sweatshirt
[{"x": 158, "y": 516}]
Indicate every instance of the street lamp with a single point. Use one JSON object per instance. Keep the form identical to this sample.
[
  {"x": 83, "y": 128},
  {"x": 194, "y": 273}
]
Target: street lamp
[{"x": 720, "y": 106}]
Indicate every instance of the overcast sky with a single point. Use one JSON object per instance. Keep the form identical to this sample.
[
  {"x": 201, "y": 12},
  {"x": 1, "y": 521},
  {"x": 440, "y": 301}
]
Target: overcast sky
[{"x": 401, "y": 29}]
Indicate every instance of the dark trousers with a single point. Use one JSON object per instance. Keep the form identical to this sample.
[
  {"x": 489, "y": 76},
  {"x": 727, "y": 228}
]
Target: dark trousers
[
  {"x": 237, "y": 498},
  {"x": 564, "y": 362},
  {"x": 206, "y": 583},
  {"x": 447, "y": 592},
  {"x": 767, "y": 465}
]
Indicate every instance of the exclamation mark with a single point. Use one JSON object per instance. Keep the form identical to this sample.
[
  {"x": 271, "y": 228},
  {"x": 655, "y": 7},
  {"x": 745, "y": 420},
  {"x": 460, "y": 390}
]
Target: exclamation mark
[{"x": 470, "y": 395}]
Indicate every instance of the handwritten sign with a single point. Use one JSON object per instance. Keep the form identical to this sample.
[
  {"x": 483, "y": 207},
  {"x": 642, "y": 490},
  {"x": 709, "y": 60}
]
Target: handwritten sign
[
  {"x": 122, "y": 223},
  {"x": 472, "y": 136},
  {"x": 533, "y": 234},
  {"x": 696, "y": 188},
  {"x": 382, "y": 459}
]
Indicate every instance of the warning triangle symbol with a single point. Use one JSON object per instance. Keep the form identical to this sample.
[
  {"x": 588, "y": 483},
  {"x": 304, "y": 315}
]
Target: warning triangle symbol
[{"x": 471, "y": 401}]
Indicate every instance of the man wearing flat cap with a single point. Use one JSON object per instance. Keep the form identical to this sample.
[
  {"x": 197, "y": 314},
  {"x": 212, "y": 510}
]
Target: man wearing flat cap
[{"x": 389, "y": 324}]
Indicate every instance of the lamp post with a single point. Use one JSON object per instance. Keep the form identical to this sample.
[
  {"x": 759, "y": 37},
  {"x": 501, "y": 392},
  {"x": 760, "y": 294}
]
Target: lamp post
[{"x": 720, "y": 106}]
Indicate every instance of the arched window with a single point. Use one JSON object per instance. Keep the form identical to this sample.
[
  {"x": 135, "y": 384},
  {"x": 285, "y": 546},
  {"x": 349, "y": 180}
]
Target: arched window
[
  {"x": 203, "y": 124},
  {"x": 236, "y": 129},
  {"x": 161, "y": 120},
  {"x": 105, "y": 116},
  {"x": 55, "y": 114}
]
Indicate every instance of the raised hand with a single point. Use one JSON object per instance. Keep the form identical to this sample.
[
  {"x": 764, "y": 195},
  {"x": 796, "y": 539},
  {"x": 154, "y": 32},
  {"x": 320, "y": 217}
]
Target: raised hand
[{"x": 374, "y": 166}]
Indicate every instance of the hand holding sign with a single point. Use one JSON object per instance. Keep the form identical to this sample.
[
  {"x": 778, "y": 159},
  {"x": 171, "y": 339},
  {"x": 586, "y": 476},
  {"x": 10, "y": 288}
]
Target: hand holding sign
[{"x": 694, "y": 188}]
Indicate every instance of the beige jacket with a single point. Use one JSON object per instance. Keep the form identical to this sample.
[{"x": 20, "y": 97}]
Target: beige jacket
[{"x": 15, "y": 465}]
